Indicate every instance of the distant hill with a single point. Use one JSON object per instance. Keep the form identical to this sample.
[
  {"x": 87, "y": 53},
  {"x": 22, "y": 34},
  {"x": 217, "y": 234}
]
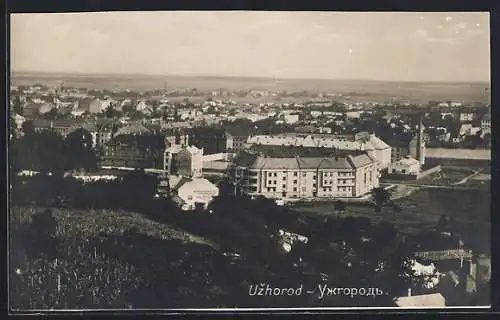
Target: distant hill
[{"x": 380, "y": 91}]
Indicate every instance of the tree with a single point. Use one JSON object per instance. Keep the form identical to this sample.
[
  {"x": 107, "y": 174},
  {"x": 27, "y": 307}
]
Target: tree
[
  {"x": 28, "y": 127},
  {"x": 339, "y": 207},
  {"x": 17, "y": 106},
  {"x": 39, "y": 152},
  {"x": 443, "y": 223},
  {"x": 51, "y": 115},
  {"x": 396, "y": 209},
  {"x": 380, "y": 197},
  {"x": 78, "y": 150}
]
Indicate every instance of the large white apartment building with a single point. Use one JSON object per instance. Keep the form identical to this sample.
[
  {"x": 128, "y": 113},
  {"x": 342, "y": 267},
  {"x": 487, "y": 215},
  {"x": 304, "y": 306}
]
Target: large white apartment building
[
  {"x": 350, "y": 175},
  {"x": 362, "y": 141}
]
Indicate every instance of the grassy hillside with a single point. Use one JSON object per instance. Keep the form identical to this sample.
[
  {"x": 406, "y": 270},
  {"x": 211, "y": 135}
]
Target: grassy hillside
[{"x": 109, "y": 259}]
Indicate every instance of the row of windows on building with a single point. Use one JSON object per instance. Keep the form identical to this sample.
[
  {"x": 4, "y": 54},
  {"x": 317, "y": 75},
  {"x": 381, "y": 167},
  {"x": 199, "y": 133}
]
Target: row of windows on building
[
  {"x": 328, "y": 189},
  {"x": 304, "y": 174},
  {"x": 339, "y": 181}
]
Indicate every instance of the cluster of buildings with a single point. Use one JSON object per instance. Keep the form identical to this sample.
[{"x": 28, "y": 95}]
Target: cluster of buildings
[{"x": 323, "y": 148}]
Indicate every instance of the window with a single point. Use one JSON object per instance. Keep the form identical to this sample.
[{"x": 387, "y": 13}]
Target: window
[
  {"x": 284, "y": 178},
  {"x": 303, "y": 189},
  {"x": 393, "y": 170},
  {"x": 295, "y": 189},
  {"x": 314, "y": 177},
  {"x": 295, "y": 174},
  {"x": 275, "y": 174},
  {"x": 314, "y": 185},
  {"x": 274, "y": 182},
  {"x": 304, "y": 174},
  {"x": 284, "y": 186},
  {"x": 190, "y": 197},
  {"x": 270, "y": 174},
  {"x": 403, "y": 171}
]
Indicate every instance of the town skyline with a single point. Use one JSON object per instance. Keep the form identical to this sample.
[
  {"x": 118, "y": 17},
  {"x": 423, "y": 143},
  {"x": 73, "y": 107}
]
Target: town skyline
[{"x": 424, "y": 47}]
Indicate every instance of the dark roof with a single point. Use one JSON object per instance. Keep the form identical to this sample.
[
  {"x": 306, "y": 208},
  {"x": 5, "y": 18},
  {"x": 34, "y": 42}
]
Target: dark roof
[
  {"x": 181, "y": 182},
  {"x": 399, "y": 140},
  {"x": 292, "y": 151},
  {"x": 239, "y": 130},
  {"x": 133, "y": 129},
  {"x": 43, "y": 123},
  {"x": 245, "y": 159}
]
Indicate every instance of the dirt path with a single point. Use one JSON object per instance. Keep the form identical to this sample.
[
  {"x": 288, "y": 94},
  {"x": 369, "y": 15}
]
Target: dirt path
[{"x": 464, "y": 180}]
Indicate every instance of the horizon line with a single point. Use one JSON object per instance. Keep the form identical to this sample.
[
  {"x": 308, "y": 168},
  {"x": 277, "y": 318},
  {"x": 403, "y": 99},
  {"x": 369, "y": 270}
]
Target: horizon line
[{"x": 83, "y": 73}]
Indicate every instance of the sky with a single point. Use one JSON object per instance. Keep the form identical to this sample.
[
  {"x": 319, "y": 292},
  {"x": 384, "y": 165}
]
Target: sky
[{"x": 395, "y": 46}]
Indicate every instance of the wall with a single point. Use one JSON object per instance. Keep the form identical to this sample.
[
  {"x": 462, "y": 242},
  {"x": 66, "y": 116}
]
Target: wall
[
  {"x": 217, "y": 157},
  {"x": 471, "y": 154}
]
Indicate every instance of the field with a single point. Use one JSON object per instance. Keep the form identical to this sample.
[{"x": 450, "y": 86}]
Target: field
[
  {"x": 358, "y": 90},
  {"x": 421, "y": 210}
]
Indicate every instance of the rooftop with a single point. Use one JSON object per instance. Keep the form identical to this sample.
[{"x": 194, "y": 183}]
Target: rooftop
[
  {"x": 346, "y": 161},
  {"x": 133, "y": 129},
  {"x": 424, "y": 300}
]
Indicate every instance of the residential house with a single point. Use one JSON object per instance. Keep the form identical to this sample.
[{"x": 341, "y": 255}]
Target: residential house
[
  {"x": 211, "y": 140},
  {"x": 316, "y": 113},
  {"x": 183, "y": 160},
  {"x": 468, "y": 129},
  {"x": 191, "y": 193},
  {"x": 236, "y": 138},
  {"x": 32, "y": 110},
  {"x": 486, "y": 121},
  {"x": 465, "y": 116},
  {"x": 291, "y": 118},
  {"x": 62, "y": 127},
  {"x": 89, "y": 105},
  {"x": 405, "y": 166},
  {"x": 134, "y": 146}
]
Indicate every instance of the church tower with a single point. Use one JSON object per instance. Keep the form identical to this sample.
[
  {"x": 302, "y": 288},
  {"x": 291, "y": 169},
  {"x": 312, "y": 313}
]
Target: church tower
[{"x": 420, "y": 143}]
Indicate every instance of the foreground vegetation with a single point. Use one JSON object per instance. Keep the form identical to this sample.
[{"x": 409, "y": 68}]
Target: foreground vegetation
[{"x": 78, "y": 245}]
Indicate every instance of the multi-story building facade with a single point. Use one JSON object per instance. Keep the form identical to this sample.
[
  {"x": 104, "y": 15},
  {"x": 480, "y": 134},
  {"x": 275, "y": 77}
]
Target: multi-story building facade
[
  {"x": 236, "y": 138},
  {"x": 183, "y": 160},
  {"x": 344, "y": 176},
  {"x": 133, "y": 146}
]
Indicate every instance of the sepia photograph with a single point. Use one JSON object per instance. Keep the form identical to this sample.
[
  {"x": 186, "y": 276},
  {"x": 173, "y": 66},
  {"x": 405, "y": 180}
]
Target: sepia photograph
[{"x": 249, "y": 160}]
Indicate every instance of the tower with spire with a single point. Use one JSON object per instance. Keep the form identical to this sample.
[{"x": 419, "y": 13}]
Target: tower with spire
[{"x": 420, "y": 143}]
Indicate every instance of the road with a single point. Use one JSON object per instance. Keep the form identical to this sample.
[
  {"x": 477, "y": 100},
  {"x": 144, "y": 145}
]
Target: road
[
  {"x": 454, "y": 187},
  {"x": 464, "y": 180}
]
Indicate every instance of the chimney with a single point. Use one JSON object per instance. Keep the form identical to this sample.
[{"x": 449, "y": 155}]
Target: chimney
[{"x": 409, "y": 292}]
